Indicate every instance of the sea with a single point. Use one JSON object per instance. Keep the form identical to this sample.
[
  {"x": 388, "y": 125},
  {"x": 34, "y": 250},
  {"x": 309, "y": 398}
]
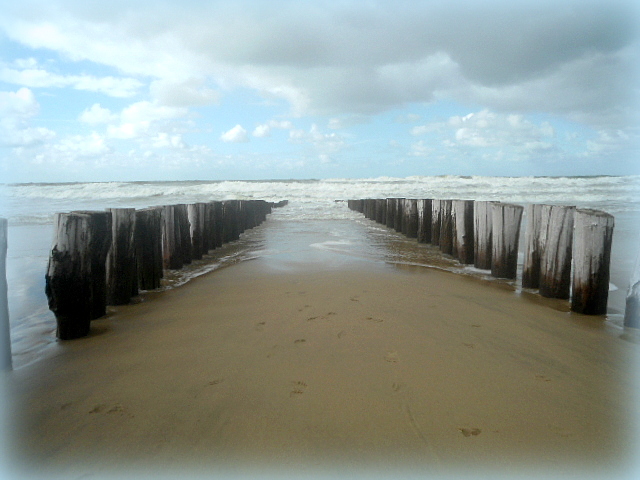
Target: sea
[{"x": 317, "y": 213}]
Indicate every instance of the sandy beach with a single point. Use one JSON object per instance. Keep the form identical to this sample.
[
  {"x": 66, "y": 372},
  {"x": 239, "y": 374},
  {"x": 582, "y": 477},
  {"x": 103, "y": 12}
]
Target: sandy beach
[{"x": 311, "y": 363}]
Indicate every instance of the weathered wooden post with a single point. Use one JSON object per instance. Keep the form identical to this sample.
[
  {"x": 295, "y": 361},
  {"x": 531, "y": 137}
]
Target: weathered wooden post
[
  {"x": 184, "y": 230},
  {"x": 506, "y": 219},
  {"x": 148, "y": 241},
  {"x": 463, "y": 226},
  {"x": 391, "y": 212},
  {"x": 100, "y": 243},
  {"x": 5, "y": 330},
  {"x": 424, "y": 220},
  {"x": 632, "y": 308},
  {"x": 218, "y": 223},
  {"x": 436, "y": 221},
  {"x": 381, "y": 210},
  {"x": 171, "y": 251},
  {"x": 122, "y": 270},
  {"x": 397, "y": 216},
  {"x": 410, "y": 228},
  {"x": 536, "y": 228},
  {"x": 231, "y": 230},
  {"x": 555, "y": 263},
  {"x": 593, "y": 235},
  {"x": 68, "y": 277},
  {"x": 482, "y": 235},
  {"x": 446, "y": 227},
  {"x": 195, "y": 215}
]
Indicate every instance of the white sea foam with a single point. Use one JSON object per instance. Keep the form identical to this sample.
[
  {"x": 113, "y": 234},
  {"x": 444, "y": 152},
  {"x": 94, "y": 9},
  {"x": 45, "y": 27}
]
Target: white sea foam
[{"x": 36, "y": 203}]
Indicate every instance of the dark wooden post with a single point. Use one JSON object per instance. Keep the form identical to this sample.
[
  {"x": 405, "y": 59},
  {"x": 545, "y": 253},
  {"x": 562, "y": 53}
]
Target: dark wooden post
[
  {"x": 593, "y": 235},
  {"x": 183, "y": 229},
  {"x": 463, "y": 225},
  {"x": 100, "y": 243},
  {"x": 122, "y": 270},
  {"x": 397, "y": 216},
  {"x": 218, "y": 224},
  {"x": 195, "y": 216},
  {"x": 5, "y": 330},
  {"x": 555, "y": 263},
  {"x": 436, "y": 221},
  {"x": 535, "y": 240},
  {"x": 231, "y": 230},
  {"x": 411, "y": 218},
  {"x": 68, "y": 278},
  {"x": 171, "y": 250},
  {"x": 482, "y": 235},
  {"x": 446, "y": 227},
  {"x": 632, "y": 308},
  {"x": 381, "y": 210},
  {"x": 506, "y": 219},
  {"x": 391, "y": 212},
  {"x": 424, "y": 221},
  {"x": 149, "y": 247}
]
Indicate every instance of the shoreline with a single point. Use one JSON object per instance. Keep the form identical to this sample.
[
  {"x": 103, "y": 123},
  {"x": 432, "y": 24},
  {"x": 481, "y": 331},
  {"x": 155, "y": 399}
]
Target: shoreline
[{"x": 284, "y": 363}]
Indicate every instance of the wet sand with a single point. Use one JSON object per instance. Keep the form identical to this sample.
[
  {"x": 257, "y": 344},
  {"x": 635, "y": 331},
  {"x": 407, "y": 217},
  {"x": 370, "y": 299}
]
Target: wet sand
[{"x": 282, "y": 364}]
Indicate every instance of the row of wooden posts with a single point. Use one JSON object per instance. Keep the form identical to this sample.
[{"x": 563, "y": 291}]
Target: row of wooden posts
[
  {"x": 101, "y": 258},
  {"x": 567, "y": 250}
]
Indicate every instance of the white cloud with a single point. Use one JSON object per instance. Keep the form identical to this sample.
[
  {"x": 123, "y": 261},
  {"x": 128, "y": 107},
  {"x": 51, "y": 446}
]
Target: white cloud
[
  {"x": 81, "y": 146},
  {"x": 16, "y": 110},
  {"x": 236, "y": 135},
  {"x": 97, "y": 115},
  {"x": 165, "y": 140},
  {"x": 191, "y": 92},
  {"x": 264, "y": 129},
  {"x": 35, "y": 77}
]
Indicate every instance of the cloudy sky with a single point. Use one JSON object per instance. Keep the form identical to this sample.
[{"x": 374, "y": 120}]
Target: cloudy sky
[{"x": 160, "y": 90}]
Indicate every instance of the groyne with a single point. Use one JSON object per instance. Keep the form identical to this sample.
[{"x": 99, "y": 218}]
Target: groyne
[
  {"x": 567, "y": 250},
  {"x": 101, "y": 258}
]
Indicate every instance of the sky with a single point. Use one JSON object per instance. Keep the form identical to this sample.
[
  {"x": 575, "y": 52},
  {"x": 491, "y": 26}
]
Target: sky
[{"x": 229, "y": 90}]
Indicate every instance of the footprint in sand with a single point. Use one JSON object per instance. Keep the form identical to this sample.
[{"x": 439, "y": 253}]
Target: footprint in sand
[
  {"x": 469, "y": 432},
  {"x": 542, "y": 377},
  {"x": 303, "y": 308},
  {"x": 260, "y": 326},
  {"x": 103, "y": 408},
  {"x": 396, "y": 387},
  {"x": 391, "y": 357},
  {"x": 298, "y": 388},
  {"x": 373, "y": 320},
  {"x": 216, "y": 381},
  {"x": 341, "y": 333},
  {"x": 300, "y": 340},
  {"x": 354, "y": 298},
  {"x": 469, "y": 345}
]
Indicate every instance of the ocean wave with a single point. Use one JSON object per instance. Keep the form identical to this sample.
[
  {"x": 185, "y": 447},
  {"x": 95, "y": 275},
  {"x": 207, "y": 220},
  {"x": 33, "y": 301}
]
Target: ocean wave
[{"x": 27, "y": 203}]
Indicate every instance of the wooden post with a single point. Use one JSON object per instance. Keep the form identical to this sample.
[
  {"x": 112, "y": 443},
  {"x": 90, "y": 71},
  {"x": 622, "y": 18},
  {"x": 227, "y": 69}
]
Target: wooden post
[
  {"x": 410, "y": 222},
  {"x": 446, "y": 227},
  {"x": 463, "y": 225},
  {"x": 68, "y": 278},
  {"x": 593, "y": 235},
  {"x": 381, "y": 210},
  {"x": 391, "y": 212},
  {"x": 100, "y": 243},
  {"x": 148, "y": 240},
  {"x": 171, "y": 251},
  {"x": 5, "y": 329},
  {"x": 535, "y": 240},
  {"x": 555, "y": 262},
  {"x": 506, "y": 219},
  {"x": 230, "y": 227},
  {"x": 183, "y": 229},
  {"x": 218, "y": 224},
  {"x": 397, "y": 216},
  {"x": 195, "y": 216},
  {"x": 482, "y": 235},
  {"x": 424, "y": 221},
  {"x": 122, "y": 270},
  {"x": 436, "y": 221},
  {"x": 632, "y": 309}
]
